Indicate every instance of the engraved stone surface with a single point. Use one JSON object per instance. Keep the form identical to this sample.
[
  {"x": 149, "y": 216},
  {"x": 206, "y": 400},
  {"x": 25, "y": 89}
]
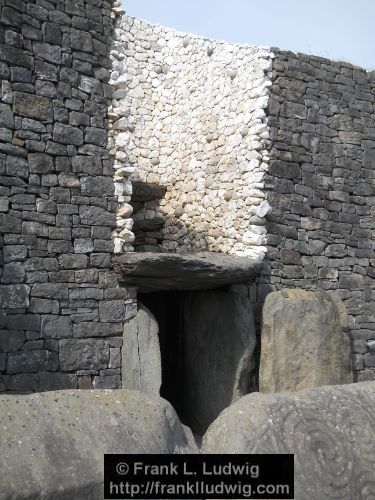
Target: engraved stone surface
[
  {"x": 330, "y": 430},
  {"x": 304, "y": 341}
]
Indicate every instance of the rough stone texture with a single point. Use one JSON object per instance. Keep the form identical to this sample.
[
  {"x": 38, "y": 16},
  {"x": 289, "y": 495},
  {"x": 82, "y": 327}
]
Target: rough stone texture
[
  {"x": 322, "y": 128},
  {"x": 329, "y": 429},
  {"x": 141, "y": 360},
  {"x": 57, "y": 198},
  {"x": 195, "y": 123},
  {"x": 260, "y": 151},
  {"x": 304, "y": 341},
  {"x": 71, "y": 431},
  {"x": 219, "y": 341},
  {"x": 204, "y": 270}
]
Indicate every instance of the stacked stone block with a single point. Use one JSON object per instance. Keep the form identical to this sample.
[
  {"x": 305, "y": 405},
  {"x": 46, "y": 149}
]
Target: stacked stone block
[
  {"x": 320, "y": 187},
  {"x": 62, "y": 311}
]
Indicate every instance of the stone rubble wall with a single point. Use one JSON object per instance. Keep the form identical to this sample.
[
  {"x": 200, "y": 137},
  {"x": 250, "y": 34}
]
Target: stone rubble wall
[
  {"x": 189, "y": 114},
  {"x": 264, "y": 153},
  {"x": 320, "y": 186},
  {"x": 61, "y": 309}
]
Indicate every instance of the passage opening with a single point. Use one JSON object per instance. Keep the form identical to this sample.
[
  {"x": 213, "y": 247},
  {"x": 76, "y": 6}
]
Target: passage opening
[
  {"x": 167, "y": 307},
  {"x": 207, "y": 341}
]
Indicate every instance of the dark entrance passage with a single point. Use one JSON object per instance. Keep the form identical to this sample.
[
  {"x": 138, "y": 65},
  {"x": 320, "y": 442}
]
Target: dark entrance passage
[
  {"x": 167, "y": 307},
  {"x": 207, "y": 340}
]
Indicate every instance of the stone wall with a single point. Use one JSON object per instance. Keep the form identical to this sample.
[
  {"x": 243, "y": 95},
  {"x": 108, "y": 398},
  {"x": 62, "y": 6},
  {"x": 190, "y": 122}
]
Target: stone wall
[
  {"x": 62, "y": 312},
  {"x": 320, "y": 187},
  {"x": 266, "y": 154},
  {"x": 191, "y": 116}
]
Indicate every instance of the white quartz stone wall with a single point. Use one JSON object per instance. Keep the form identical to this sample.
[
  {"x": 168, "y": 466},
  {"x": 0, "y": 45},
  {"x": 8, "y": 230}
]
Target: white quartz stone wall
[{"x": 189, "y": 113}]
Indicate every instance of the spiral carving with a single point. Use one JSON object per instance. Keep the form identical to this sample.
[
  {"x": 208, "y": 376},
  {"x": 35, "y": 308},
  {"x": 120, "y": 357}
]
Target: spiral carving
[{"x": 330, "y": 430}]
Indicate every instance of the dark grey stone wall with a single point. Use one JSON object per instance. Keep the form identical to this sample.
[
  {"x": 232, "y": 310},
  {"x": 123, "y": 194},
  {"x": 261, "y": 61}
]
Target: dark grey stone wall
[
  {"x": 62, "y": 312},
  {"x": 320, "y": 186}
]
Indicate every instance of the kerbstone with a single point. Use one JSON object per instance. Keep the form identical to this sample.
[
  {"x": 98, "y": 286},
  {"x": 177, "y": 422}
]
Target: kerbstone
[
  {"x": 330, "y": 431},
  {"x": 73, "y": 466}
]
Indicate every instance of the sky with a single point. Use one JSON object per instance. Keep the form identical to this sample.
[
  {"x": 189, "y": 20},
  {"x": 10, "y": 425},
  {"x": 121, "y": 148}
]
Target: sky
[{"x": 337, "y": 29}]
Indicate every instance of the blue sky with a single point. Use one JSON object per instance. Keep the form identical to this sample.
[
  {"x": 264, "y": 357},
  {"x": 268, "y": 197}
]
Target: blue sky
[{"x": 337, "y": 29}]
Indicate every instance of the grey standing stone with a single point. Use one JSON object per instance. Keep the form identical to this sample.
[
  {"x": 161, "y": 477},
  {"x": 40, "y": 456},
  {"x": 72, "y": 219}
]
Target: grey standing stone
[
  {"x": 304, "y": 341},
  {"x": 330, "y": 430},
  {"x": 141, "y": 359},
  {"x": 219, "y": 341}
]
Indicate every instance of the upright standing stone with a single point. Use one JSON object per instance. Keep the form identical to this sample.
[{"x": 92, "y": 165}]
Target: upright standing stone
[
  {"x": 141, "y": 362},
  {"x": 219, "y": 341},
  {"x": 303, "y": 342}
]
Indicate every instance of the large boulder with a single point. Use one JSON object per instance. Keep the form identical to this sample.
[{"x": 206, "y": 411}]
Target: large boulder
[
  {"x": 330, "y": 430},
  {"x": 219, "y": 341},
  {"x": 304, "y": 341},
  {"x": 53, "y": 443},
  {"x": 141, "y": 358}
]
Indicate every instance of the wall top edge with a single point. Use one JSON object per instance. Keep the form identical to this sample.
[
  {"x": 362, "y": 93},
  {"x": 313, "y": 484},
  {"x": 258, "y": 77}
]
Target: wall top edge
[
  {"x": 126, "y": 17},
  {"x": 320, "y": 59},
  {"x": 274, "y": 50}
]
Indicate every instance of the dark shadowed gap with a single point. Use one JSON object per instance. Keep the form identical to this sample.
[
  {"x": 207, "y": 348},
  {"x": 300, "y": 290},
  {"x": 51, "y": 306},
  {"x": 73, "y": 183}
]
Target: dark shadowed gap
[{"x": 167, "y": 307}]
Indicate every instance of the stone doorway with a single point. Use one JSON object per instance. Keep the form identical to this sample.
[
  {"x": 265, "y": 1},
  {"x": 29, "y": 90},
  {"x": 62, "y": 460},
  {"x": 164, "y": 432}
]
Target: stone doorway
[{"x": 197, "y": 346}]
